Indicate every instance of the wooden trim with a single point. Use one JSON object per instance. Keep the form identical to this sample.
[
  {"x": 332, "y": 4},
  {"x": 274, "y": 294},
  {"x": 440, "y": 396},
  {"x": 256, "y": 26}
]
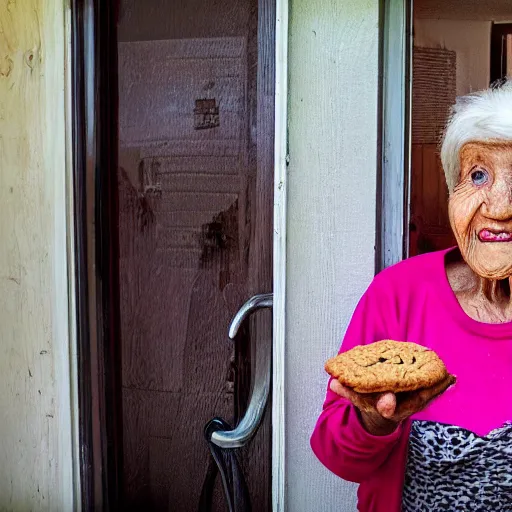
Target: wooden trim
[
  {"x": 279, "y": 244},
  {"x": 393, "y": 181},
  {"x": 407, "y": 149},
  {"x": 94, "y": 149},
  {"x": 107, "y": 235},
  {"x": 71, "y": 262},
  {"x": 80, "y": 237},
  {"x": 380, "y": 140}
]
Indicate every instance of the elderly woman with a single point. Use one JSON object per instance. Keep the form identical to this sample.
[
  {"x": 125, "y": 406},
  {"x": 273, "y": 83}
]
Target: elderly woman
[{"x": 454, "y": 453}]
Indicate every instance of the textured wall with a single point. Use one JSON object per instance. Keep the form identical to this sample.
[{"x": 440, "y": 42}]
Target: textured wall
[
  {"x": 333, "y": 73},
  {"x": 471, "y": 40},
  {"x": 35, "y": 420},
  {"x": 433, "y": 92}
]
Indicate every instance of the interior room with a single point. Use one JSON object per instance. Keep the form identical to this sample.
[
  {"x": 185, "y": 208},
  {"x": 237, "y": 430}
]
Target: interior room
[{"x": 459, "y": 47}]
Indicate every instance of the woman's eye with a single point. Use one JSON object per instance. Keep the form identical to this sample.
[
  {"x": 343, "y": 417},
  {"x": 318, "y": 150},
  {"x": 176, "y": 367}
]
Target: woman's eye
[{"x": 479, "y": 177}]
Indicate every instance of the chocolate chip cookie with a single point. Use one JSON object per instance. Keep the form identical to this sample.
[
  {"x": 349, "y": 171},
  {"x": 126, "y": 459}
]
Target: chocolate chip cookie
[{"x": 388, "y": 366}]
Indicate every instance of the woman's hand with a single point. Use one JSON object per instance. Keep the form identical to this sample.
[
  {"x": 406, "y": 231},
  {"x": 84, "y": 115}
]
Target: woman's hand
[{"x": 381, "y": 413}]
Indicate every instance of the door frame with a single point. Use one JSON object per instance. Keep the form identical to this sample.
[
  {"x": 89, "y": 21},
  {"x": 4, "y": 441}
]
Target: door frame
[
  {"x": 94, "y": 133},
  {"x": 279, "y": 247},
  {"x": 95, "y": 213},
  {"x": 393, "y": 187}
]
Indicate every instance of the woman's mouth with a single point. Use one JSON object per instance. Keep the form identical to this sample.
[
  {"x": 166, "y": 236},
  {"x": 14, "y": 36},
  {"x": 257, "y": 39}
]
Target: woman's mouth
[{"x": 490, "y": 235}]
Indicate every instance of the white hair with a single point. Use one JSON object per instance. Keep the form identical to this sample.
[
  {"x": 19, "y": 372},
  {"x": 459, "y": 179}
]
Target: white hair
[{"x": 483, "y": 116}]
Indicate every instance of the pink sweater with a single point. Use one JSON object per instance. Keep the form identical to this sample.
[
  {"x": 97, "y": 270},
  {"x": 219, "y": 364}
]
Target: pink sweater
[{"x": 413, "y": 301}]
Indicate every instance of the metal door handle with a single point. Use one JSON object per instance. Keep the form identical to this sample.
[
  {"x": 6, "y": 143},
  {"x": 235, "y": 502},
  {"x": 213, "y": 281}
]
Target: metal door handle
[{"x": 249, "y": 424}]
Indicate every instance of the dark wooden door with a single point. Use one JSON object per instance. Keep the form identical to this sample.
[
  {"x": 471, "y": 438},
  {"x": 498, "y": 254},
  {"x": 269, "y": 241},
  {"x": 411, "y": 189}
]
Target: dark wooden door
[
  {"x": 196, "y": 120},
  {"x": 430, "y": 228}
]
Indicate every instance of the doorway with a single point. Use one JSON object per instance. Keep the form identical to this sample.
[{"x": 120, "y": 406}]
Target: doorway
[
  {"x": 195, "y": 187},
  {"x": 458, "y": 47},
  {"x": 196, "y": 121},
  {"x": 501, "y": 51},
  {"x": 173, "y": 110}
]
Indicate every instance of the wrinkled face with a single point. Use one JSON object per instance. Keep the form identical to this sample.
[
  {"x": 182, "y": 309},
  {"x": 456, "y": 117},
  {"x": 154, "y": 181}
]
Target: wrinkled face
[{"x": 480, "y": 208}]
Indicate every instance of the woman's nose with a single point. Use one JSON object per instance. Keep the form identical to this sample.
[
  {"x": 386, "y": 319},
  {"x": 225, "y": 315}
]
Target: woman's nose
[{"x": 499, "y": 201}]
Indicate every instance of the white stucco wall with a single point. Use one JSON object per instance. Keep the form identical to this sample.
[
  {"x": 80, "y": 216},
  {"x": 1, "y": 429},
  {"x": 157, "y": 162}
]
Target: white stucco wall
[
  {"x": 333, "y": 91},
  {"x": 36, "y": 471}
]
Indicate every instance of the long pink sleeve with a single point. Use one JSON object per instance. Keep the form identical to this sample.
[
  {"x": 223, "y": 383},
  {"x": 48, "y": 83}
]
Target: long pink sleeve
[
  {"x": 339, "y": 440},
  {"x": 344, "y": 447}
]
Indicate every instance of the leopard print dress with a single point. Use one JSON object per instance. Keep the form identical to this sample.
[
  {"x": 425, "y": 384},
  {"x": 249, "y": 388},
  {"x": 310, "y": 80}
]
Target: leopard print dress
[{"x": 453, "y": 469}]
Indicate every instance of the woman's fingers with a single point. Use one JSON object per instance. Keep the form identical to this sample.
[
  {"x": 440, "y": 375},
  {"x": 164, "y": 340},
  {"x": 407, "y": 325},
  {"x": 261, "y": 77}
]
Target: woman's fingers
[
  {"x": 337, "y": 388},
  {"x": 344, "y": 392},
  {"x": 433, "y": 392},
  {"x": 378, "y": 410},
  {"x": 417, "y": 401},
  {"x": 386, "y": 405},
  {"x": 383, "y": 404},
  {"x": 365, "y": 403}
]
